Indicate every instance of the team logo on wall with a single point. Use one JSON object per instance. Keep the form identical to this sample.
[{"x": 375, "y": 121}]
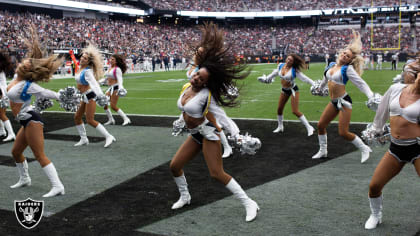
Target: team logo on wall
[{"x": 29, "y": 212}]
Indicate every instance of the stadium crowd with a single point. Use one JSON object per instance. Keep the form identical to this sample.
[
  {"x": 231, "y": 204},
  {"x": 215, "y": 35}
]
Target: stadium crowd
[
  {"x": 266, "y": 5},
  {"x": 137, "y": 39}
]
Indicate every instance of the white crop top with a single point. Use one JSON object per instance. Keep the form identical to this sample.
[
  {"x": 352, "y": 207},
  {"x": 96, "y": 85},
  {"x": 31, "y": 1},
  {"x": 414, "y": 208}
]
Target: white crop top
[
  {"x": 15, "y": 92},
  {"x": 219, "y": 114},
  {"x": 115, "y": 73},
  {"x": 289, "y": 77},
  {"x": 3, "y": 84},
  {"x": 196, "y": 106},
  {"x": 352, "y": 75},
  {"x": 91, "y": 81},
  {"x": 390, "y": 106}
]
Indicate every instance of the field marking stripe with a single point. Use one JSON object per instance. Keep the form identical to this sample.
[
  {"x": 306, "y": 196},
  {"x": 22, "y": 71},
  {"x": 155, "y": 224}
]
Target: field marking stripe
[
  {"x": 251, "y": 100},
  {"x": 236, "y": 118}
]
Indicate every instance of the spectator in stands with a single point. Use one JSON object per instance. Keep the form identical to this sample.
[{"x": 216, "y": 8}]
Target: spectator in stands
[{"x": 247, "y": 40}]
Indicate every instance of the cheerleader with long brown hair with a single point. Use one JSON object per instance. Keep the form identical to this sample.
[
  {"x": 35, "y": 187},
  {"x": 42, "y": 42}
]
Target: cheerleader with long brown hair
[
  {"x": 208, "y": 87},
  {"x": 115, "y": 82}
]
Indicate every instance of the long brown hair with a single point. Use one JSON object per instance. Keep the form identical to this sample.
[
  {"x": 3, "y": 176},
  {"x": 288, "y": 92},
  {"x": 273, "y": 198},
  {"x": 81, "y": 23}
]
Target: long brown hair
[
  {"x": 212, "y": 54},
  {"x": 6, "y": 64},
  {"x": 120, "y": 60},
  {"x": 298, "y": 62}
]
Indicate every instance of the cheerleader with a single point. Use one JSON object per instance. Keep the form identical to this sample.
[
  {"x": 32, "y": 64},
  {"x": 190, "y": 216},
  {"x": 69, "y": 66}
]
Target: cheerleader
[
  {"x": 31, "y": 71},
  {"x": 218, "y": 117},
  {"x": 5, "y": 66},
  {"x": 349, "y": 66},
  {"x": 207, "y": 87},
  {"x": 288, "y": 72},
  {"x": 401, "y": 105},
  {"x": 90, "y": 70},
  {"x": 115, "y": 83}
]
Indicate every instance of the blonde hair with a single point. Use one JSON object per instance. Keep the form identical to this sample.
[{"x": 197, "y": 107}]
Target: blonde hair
[
  {"x": 40, "y": 70},
  {"x": 355, "y": 46},
  {"x": 34, "y": 47},
  {"x": 95, "y": 60}
]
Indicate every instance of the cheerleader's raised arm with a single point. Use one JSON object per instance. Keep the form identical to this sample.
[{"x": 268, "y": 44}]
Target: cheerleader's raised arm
[{"x": 359, "y": 82}]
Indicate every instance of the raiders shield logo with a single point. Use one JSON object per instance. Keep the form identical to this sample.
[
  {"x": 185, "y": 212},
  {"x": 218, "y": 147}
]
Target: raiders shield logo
[{"x": 29, "y": 212}]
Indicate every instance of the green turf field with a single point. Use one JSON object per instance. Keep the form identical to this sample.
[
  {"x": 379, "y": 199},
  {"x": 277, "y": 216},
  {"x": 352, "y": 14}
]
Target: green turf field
[{"x": 156, "y": 94}]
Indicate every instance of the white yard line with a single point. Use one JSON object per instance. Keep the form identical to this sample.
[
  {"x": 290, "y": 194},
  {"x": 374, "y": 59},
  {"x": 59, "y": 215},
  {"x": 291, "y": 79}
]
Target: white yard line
[{"x": 236, "y": 118}]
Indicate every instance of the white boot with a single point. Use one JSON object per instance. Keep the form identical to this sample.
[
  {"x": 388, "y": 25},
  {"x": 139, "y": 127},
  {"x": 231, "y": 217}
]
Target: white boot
[
  {"x": 57, "y": 186},
  {"x": 111, "y": 120},
  {"x": 250, "y": 205},
  {"x": 227, "y": 149},
  {"x": 10, "y": 133},
  {"x": 83, "y": 137},
  {"x": 364, "y": 149},
  {"x": 309, "y": 128},
  {"x": 185, "y": 197},
  {"x": 24, "y": 179},
  {"x": 322, "y": 138},
  {"x": 2, "y": 130},
  {"x": 125, "y": 118},
  {"x": 108, "y": 137},
  {"x": 280, "y": 127},
  {"x": 375, "y": 217}
]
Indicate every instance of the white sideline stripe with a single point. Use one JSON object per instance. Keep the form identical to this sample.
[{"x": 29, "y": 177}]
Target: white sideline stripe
[
  {"x": 236, "y": 118},
  {"x": 251, "y": 100}
]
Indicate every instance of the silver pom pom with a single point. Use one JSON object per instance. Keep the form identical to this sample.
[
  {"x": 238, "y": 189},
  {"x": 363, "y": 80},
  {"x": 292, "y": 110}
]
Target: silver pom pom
[
  {"x": 233, "y": 92},
  {"x": 246, "y": 143},
  {"x": 69, "y": 98},
  {"x": 41, "y": 104},
  {"x": 4, "y": 102},
  {"x": 178, "y": 127},
  {"x": 265, "y": 79},
  {"x": 122, "y": 92},
  {"x": 102, "y": 100},
  {"x": 316, "y": 89},
  {"x": 372, "y": 138},
  {"x": 374, "y": 101}
]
